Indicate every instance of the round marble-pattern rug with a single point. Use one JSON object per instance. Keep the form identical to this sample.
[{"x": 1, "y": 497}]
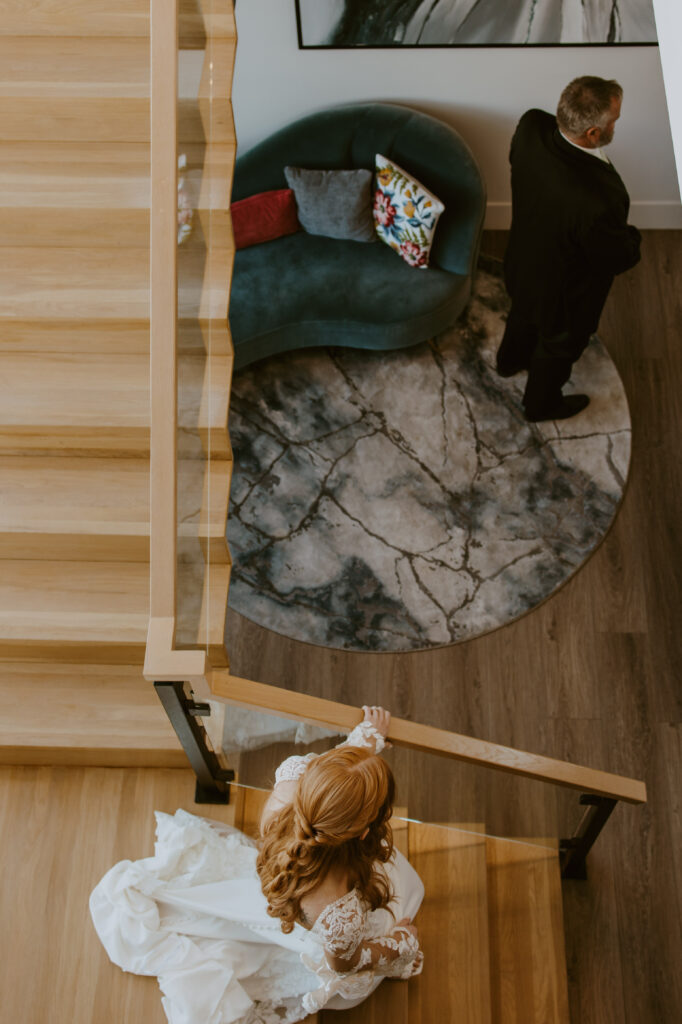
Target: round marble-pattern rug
[{"x": 394, "y": 501}]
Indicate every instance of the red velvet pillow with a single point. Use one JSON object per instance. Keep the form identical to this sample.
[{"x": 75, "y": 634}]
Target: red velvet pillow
[{"x": 265, "y": 216}]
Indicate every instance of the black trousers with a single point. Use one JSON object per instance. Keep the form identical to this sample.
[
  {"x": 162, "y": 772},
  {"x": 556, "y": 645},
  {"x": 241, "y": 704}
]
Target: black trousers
[{"x": 549, "y": 360}]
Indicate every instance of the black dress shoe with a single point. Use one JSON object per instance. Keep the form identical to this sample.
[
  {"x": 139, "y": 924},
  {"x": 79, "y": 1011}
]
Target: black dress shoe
[
  {"x": 510, "y": 371},
  {"x": 567, "y": 406}
]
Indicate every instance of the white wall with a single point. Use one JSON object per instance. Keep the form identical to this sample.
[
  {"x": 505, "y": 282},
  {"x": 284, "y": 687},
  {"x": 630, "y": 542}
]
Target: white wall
[
  {"x": 481, "y": 92},
  {"x": 669, "y": 25}
]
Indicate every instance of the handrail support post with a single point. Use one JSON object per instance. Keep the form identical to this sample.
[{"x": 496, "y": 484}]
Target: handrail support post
[
  {"x": 574, "y": 850},
  {"x": 212, "y": 785}
]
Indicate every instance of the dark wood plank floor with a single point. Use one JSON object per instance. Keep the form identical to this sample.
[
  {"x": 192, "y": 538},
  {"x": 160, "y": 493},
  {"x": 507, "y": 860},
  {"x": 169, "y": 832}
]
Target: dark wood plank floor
[{"x": 591, "y": 676}]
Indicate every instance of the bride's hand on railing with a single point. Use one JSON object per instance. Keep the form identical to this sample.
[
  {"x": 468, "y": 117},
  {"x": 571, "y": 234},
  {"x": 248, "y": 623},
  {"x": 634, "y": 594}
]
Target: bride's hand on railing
[{"x": 379, "y": 718}]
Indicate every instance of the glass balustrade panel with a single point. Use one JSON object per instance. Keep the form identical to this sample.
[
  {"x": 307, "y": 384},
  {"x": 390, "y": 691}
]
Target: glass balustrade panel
[
  {"x": 206, "y": 149},
  {"x": 429, "y": 787}
]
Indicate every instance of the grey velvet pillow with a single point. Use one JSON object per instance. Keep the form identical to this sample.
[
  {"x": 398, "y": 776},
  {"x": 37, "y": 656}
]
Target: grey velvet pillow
[{"x": 337, "y": 204}]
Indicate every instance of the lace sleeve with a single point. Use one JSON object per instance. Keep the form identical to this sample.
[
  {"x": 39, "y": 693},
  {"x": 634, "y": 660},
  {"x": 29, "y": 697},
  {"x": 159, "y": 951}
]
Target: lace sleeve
[
  {"x": 365, "y": 735},
  {"x": 396, "y": 955},
  {"x": 342, "y": 926},
  {"x": 293, "y": 767}
]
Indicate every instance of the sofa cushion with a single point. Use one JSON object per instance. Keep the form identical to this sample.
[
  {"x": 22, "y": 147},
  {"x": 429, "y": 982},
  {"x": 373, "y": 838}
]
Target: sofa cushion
[
  {"x": 307, "y": 281},
  {"x": 405, "y": 213},
  {"x": 351, "y": 136},
  {"x": 334, "y": 203},
  {"x": 264, "y": 217}
]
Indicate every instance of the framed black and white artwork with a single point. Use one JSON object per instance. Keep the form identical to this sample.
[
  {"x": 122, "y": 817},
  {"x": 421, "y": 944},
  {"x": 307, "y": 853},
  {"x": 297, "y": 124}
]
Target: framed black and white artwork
[{"x": 390, "y": 23}]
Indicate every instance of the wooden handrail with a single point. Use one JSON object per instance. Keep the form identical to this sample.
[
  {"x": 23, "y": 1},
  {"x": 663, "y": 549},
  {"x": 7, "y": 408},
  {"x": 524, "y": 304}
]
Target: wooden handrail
[
  {"x": 318, "y": 711},
  {"x": 162, "y": 660}
]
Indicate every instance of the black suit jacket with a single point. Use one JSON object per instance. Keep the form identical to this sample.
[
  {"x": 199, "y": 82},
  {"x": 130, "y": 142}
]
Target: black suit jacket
[{"x": 569, "y": 233}]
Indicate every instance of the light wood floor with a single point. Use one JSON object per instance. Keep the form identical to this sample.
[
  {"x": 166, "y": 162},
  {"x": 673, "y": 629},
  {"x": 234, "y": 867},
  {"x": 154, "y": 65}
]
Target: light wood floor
[
  {"x": 62, "y": 828},
  {"x": 592, "y": 676}
]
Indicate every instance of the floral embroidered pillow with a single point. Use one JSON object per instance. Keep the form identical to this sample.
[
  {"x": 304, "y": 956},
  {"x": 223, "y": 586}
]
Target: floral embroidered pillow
[{"x": 405, "y": 213}]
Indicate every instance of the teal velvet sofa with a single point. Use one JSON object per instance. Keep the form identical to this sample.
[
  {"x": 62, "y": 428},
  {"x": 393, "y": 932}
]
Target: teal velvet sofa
[{"x": 306, "y": 290}]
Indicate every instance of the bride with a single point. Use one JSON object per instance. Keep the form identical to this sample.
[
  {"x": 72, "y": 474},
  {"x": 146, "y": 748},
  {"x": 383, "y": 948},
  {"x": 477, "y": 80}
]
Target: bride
[{"x": 314, "y": 915}]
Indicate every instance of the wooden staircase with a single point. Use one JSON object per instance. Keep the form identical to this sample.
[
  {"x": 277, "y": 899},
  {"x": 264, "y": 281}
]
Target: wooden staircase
[
  {"x": 75, "y": 536},
  {"x": 74, "y": 386}
]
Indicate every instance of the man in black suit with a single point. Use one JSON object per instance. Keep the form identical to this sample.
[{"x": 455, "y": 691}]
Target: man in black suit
[{"x": 569, "y": 238}]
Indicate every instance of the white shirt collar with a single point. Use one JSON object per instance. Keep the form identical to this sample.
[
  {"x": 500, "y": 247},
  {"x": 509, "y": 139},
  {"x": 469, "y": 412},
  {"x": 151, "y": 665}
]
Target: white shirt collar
[{"x": 599, "y": 153}]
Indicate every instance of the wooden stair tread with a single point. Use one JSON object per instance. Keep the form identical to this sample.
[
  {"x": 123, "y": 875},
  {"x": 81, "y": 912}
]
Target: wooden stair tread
[
  {"x": 95, "y": 601},
  {"x": 51, "y": 608},
  {"x": 90, "y": 335},
  {"x": 101, "y": 119},
  {"x": 74, "y": 118},
  {"x": 129, "y": 18},
  {"x": 74, "y": 611},
  {"x": 77, "y": 390},
  {"x": 86, "y": 335},
  {"x": 63, "y": 493},
  {"x": 74, "y": 175},
  {"x": 96, "y": 283},
  {"x": 528, "y": 960},
  {"x": 98, "y": 714},
  {"x": 104, "y": 174},
  {"x": 75, "y": 507},
  {"x": 82, "y": 226},
  {"x": 78, "y": 18},
  {"x": 107, "y": 284},
  {"x": 79, "y": 67},
  {"x": 71, "y": 602},
  {"x": 100, "y": 401},
  {"x": 97, "y": 67},
  {"x": 453, "y": 926},
  {"x": 63, "y": 507},
  {"x": 97, "y": 194}
]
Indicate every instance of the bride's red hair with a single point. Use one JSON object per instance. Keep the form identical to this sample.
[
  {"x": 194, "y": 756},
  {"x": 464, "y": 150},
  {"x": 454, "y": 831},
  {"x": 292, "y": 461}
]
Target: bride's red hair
[{"x": 340, "y": 794}]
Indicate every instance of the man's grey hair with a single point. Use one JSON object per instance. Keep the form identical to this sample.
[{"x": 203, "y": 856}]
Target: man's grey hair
[{"x": 586, "y": 103}]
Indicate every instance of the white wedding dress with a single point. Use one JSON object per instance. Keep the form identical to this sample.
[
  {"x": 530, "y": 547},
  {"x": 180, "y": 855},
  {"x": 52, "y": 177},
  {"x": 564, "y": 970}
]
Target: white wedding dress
[{"x": 194, "y": 915}]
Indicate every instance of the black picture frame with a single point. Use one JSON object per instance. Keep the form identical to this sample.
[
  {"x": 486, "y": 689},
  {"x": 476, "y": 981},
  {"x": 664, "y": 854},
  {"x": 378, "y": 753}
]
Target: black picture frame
[{"x": 453, "y": 46}]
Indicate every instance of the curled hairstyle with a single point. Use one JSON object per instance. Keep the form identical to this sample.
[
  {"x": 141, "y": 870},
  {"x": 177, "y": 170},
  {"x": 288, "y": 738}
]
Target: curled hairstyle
[
  {"x": 340, "y": 794},
  {"x": 586, "y": 103}
]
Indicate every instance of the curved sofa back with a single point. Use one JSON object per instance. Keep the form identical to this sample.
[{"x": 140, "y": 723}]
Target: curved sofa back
[{"x": 350, "y": 137}]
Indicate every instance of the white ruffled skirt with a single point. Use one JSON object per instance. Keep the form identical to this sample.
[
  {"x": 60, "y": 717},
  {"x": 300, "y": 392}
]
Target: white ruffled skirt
[{"x": 194, "y": 915}]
